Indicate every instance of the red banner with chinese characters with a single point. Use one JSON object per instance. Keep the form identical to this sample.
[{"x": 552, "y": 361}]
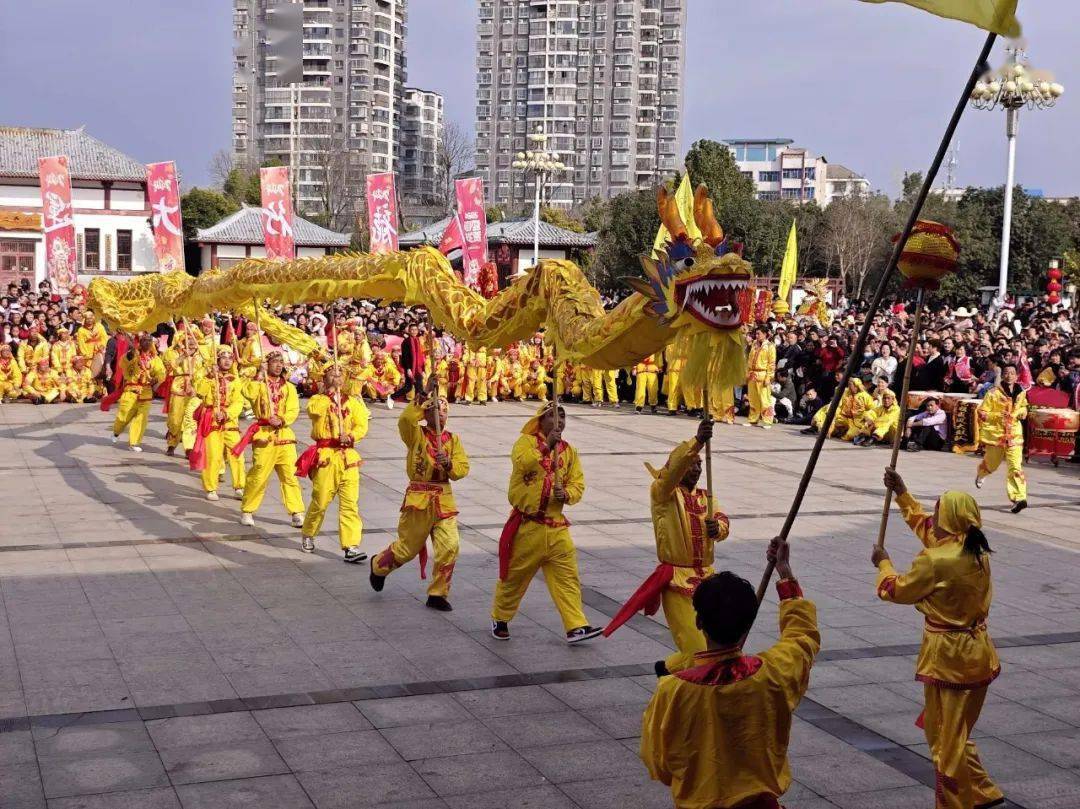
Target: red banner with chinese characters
[
  {"x": 451, "y": 237},
  {"x": 382, "y": 213},
  {"x": 163, "y": 190},
  {"x": 470, "y": 200},
  {"x": 58, "y": 223},
  {"x": 277, "y": 212}
]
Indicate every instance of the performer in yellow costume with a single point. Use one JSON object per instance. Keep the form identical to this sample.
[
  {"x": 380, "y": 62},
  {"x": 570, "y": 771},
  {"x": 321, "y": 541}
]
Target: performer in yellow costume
[
  {"x": 79, "y": 383},
  {"x": 880, "y": 423},
  {"x": 42, "y": 384},
  {"x": 91, "y": 337},
  {"x": 63, "y": 353},
  {"x": 949, "y": 583},
  {"x": 208, "y": 341},
  {"x": 536, "y": 381},
  {"x": 431, "y": 462},
  {"x": 437, "y": 366},
  {"x": 476, "y": 386},
  {"x": 250, "y": 351},
  {"x": 385, "y": 379},
  {"x": 597, "y": 384},
  {"x": 495, "y": 368},
  {"x": 673, "y": 365},
  {"x": 546, "y": 476},
  {"x": 276, "y": 405},
  {"x": 338, "y": 422},
  {"x": 1001, "y": 433},
  {"x": 222, "y": 399},
  {"x": 686, "y": 526},
  {"x": 761, "y": 370},
  {"x": 183, "y": 365},
  {"x": 143, "y": 371},
  {"x": 717, "y": 733},
  {"x": 11, "y": 375},
  {"x": 32, "y": 351},
  {"x": 855, "y": 403},
  {"x": 645, "y": 386}
]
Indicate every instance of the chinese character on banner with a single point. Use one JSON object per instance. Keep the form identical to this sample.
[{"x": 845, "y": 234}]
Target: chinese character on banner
[
  {"x": 451, "y": 237},
  {"x": 382, "y": 213},
  {"x": 164, "y": 193},
  {"x": 470, "y": 200},
  {"x": 277, "y": 213},
  {"x": 58, "y": 223}
]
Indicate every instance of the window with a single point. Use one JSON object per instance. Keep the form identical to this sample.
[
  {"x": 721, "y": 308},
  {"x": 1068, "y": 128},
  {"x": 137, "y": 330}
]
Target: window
[
  {"x": 768, "y": 176},
  {"x": 123, "y": 250},
  {"x": 92, "y": 249},
  {"x": 16, "y": 261},
  {"x": 793, "y": 174},
  {"x": 755, "y": 153}
]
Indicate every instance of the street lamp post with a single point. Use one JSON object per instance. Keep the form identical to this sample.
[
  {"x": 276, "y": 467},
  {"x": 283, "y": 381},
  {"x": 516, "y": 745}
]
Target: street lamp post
[
  {"x": 1011, "y": 88},
  {"x": 541, "y": 164}
]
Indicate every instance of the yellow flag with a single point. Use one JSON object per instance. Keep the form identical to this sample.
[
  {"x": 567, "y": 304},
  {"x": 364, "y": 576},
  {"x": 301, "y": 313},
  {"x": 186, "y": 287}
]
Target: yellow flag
[
  {"x": 684, "y": 199},
  {"x": 790, "y": 268},
  {"x": 998, "y": 16}
]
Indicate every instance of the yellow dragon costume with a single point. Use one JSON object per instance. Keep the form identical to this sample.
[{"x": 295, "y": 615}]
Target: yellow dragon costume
[{"x": 696, "y": 288}]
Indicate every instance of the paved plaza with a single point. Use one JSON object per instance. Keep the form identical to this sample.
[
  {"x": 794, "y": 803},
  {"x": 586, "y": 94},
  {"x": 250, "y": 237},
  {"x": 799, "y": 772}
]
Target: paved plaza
[{"x": 154, "y": 653}]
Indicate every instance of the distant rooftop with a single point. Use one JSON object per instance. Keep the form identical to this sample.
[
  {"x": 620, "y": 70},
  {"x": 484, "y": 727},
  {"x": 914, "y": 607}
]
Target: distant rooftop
[
  {"x": 244, "y": 227},
  {"x": 777, "y": 141},
  {"x": 838, "y": 171},
  {"x": 88, "y": 157},
  {"x": 516, "y": 232}
]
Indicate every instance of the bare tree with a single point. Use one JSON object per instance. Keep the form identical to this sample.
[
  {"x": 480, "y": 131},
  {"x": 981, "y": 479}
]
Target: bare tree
[
  {"x": 456, "y": 153},
  {"x": 855, "y": 238},
  {"x": 221, "y": 163},
  {"x": 329, "y": 160}
]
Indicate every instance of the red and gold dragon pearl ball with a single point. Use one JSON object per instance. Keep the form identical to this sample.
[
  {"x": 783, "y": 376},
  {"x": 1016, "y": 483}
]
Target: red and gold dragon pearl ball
[{"x": 929, "y": 254}]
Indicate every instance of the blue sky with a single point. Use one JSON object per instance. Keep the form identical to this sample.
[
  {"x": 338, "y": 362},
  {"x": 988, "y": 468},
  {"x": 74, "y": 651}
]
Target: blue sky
[{"x": 867, "y": 86}]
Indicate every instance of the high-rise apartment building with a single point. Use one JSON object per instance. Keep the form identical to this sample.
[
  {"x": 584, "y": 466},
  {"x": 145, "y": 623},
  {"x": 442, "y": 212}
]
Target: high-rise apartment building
[
  {"x": 317, "y": 84},
  {"x": 421, "y": 132},
  {"x": 603, "y": 79}
]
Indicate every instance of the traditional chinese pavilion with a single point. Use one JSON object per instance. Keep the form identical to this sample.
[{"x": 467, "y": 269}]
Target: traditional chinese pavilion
[
  {"x": 240, "y": 235},
  {"x": 108, "y": 190}
]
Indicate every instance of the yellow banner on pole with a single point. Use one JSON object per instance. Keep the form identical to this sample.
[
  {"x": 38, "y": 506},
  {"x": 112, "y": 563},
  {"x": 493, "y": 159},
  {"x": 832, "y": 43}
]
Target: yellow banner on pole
[
  {"x": 998, "y": 16},
  {"x": 684, "y": 199},
  {"x": 790, "y": 268}
]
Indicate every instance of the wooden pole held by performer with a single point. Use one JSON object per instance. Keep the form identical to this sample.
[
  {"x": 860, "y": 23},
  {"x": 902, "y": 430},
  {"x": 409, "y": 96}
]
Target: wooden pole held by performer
[{"x": 707, "y": 416}]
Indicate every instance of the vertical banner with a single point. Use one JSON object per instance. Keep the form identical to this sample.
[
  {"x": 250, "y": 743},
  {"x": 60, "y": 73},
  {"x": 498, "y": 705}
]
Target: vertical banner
[
  {"x": 382, "y": 213},
  {"x": 470, "y": 200},
  {"x": 58, "y": 223},
  {"x": 451, "y": 237},
  {"x": 277, "y": 213},
  {"x": 164, "y": 192}
]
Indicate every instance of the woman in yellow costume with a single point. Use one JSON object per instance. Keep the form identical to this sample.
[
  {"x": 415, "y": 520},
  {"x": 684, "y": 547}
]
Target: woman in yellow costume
[
  {"x": 1001, "y": 433},
  {"x": 879, "y": 424},
  {"x": 949, "y": 583},
  {"x": 222, "y": 402},
  {"x": 854, "y": 404}
]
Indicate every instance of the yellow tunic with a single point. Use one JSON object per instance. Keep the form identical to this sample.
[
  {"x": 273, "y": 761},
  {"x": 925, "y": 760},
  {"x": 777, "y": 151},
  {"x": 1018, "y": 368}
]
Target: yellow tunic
[
  {"x": 142, "y": 374},
  {"x": 336, "y": 472},
  {"x": 11, "y": 378},
  {"x": 433, "y": 481},
  {"x": 62, "y": 355},
  {"x": 1000, "y": 419},
  {"x": 45, "y": 384},
  {"x": 273, "y": 449},
  {"x": 882, "y": 422},
  {"x": 29, "y": 354},
  {"x": 717, "y": 734},
  {"x": 79, "y": 384},
  {"x": 91, "y": 341},
  {"x": 761, "y": 366}
]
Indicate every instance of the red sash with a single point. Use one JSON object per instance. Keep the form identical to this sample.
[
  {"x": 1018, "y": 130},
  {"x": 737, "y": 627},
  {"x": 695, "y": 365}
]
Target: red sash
[
  {"x": 247, "y": 437},
  {"x": 110, "y": 399},
  {"x": 645, "y": 599},
  {"x": 204, "y": 425},
  {"x": 506, "y": 541},
  {"x": 306, "y": 462},
  {"x": 164, "y": 390}
]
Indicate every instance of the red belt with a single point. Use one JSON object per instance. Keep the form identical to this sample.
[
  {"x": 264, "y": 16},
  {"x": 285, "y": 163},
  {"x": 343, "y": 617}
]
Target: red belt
[
  {"x": 510, "y": 529},
  {"x": 306, "y": 462},
  {"x": 245, "y": 439},
  {"x": 934, "y": 626}
]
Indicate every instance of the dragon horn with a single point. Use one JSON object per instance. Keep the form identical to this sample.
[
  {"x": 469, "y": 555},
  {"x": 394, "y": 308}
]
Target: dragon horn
[
  {"x": 710, "y": 229},
  {"x": 669, "y": 213}
]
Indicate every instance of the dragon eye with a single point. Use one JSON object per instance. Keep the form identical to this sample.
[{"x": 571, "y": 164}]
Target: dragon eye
[{"x": 686, "y": 263}]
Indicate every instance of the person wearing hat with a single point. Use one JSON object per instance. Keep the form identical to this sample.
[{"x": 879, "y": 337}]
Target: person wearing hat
[
  {"x": 222, "y": 398},
  {"x": 208, "y": 341},
  {"x": 476, "y": 385},
  {"x": 276, "y": 405},
  {"x": 338, "y": 423},
  {"x": 949, "y": 583},
  {"x": 79, "y": 386},
  {"x": 686, "y": 524},
  {"x": 536, "y": 381},
  {"x": 42, "y": 385},
  {"x": 432, "y": 461},
  {"x": 761, "y": 369},
  {"x": 11, "y": 375},
  {"x": 183, "y": 365},
  {"x": 546, "y": 476},
  {"x": 32, "y": 350},
  {"x": 1001, "y": 433},
  {"x": 880, "y": 423},
  {"x": 91, "y": 337},
  {"x": 63, "y": 353},
  {"x": 142, "y": 372}
]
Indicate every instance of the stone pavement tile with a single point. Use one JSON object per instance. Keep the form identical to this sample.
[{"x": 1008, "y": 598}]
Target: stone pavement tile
[
  {"x": 807, "y": 740},
  {"x": 349, "y": 788},
  {"x": 1059, "y": 747},
  {"x": 158, "y": 798},
  {"x": 918, "y": 797},
  {"x": 851, "y": 772},
  {"x": 186, "y": 731},
  {"x": 618, "y": 721},
  {"x": 310, "y": 720},
  {"x": 1002, "y": 760},
  {"x": 599, "y": 693},
  {"x": 1057, "y": 789},
  {"x": 878, "y": 670},
  {"x": 102, "y": 772},
  {"x": 478, "y": 772},
  {"x": 633, "y": 791},
  {"x": 80, "y": 740},
  {"x": 525, "y": 699},
  {"x": 20, "y": 787},
  {"x": 862, "y": 700},
  {"x": 899, "y": 727},
  {"x": 537, "y": 730},
  {"x": 278, "y": 791},
  {"x": 1004, "y": 718},
  {"x": 415, "y": 742},
  {"x": 584, "y": 761},
  {"x": 213, "y": 761},
  {"x": 545, "y": 797},
  {"x": 16, "y": 747},
  {"x": 330, "y": 751},
  {"x": 107, "y": 696},
  {"x": 418, "y": 710}
]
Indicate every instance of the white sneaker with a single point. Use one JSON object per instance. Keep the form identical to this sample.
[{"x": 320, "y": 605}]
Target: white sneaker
[
  {"x": 212, "y": 497},
  {"x": 247, "y": 518},
  {"x": 307, "y": 544},
  {"x": 389, "y": 403},
  {"x": 239, "y": 494},
  {"x": 116, "y": 439},
  {"x": 298, "y": 520},
  {"x": 135, "y": 448}
]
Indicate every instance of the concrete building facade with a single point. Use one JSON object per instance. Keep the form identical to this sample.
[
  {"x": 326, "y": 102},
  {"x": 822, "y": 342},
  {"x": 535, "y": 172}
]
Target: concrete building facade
[{"x": 421, "y": 177}]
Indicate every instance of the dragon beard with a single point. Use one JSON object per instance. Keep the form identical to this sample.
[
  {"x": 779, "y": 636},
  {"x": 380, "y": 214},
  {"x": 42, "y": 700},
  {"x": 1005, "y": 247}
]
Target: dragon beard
[{"x": 716, "y": 361}]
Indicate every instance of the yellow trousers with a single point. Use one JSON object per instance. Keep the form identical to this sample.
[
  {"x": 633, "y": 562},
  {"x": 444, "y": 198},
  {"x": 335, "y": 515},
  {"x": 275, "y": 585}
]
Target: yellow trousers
[
  {"x": 174, "y": 420},
  {"x": 674, "y": 394},
  {"x": 840, "y": 425},
  {"x": 724, "y": 410},
  {"x": 537, "y": 390},
  {"x": 414, "y": 527},
  {"x": 133, "y": 414},
  {"x": 592, "y": 387},
  {"x": 645, "y": 386},
  {"x": 538, "y": 546},
  {"x": 609, "y": 386},
  {"x": 219, "y": 446},
  {"x": 682, "y": 622},
  {"x": 1015, "y": 482},
  {"x": 280, "y": 458},
  {"x": 761, "y": 403},
  {"x": 476, "y": 386},
  {"x": 335, "y": 479},
  {"x": 948, "y": 721},
  {"x": 188, "y": 427}
]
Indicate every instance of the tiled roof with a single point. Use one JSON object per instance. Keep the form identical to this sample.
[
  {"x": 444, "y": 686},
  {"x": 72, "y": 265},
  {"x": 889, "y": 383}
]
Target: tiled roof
[
  {"x": 89, "y": 158},
  {"x": 517, "y": 232},
  {"x": 244, "y": 227},
  {"x": 838, "y": 171}
]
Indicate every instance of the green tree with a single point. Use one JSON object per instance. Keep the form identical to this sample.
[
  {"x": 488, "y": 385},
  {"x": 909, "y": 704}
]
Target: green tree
[
  {"x": 627, "y": 232},
  {"x": 732, "y": 192},
  {"x": 562, "y": 219},
  {"x": 202, "y": 207},
  {"x": 496, "y": 213}
]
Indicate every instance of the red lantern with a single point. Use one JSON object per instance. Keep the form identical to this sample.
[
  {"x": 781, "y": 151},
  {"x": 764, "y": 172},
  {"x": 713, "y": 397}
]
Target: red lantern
[
  {"x": 1054, "y": 273},
  {"x": 1053, "y": 298}
]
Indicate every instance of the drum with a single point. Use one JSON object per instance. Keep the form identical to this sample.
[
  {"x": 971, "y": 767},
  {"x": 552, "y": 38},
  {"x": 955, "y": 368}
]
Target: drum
[
  {"x": 1051, "y": 432},
  {"x": 97, "y": 363},
  {"x": 915, "y": 399},
  {"x": 965, "y": 426}
]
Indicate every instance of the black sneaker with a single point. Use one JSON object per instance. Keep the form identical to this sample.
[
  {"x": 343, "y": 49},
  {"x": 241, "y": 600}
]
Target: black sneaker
[
  {"x": 808, "y": 431},
  {"x": 991, "y": 804},
  {"x": 583, "y": 633},
  {"x": 354, "y": 556},
  {"x": 500, "y": 630},
  {"x": 653, "y": 409},
  {"x": 637, "y": 409},
  {"x": 660, "y": 667},
  {"x": 913, "y": 447},
  {"x": 439, "y": 603},
  {"x": 375, "y": 581},
  {"x": 1019, "y": 506}
]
